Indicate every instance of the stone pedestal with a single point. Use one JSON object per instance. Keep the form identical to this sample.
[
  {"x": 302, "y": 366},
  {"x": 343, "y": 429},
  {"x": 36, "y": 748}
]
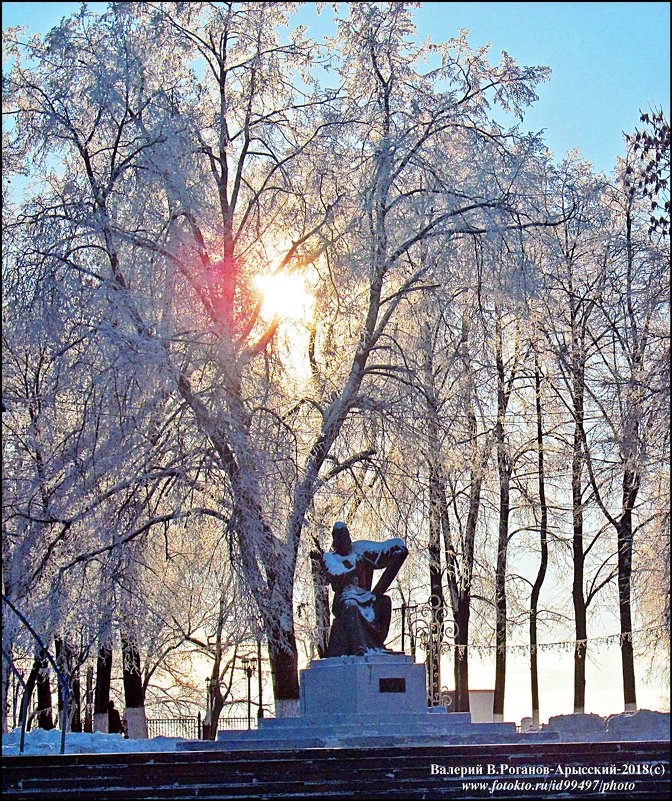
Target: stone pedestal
[
  {"x": 373, "y": 701},
  {"x": 379, "y": 684}
]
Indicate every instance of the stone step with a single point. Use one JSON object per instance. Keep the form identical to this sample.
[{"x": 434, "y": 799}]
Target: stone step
[
  {"x": 430, "y": 716},
  {"x": 356, "y": 740},
  {"x": 652, "y": 791},
  {"x": 364, "y": 730},
  {"x": 332, "y": 773},
  {"x": 288, "y": 736}
]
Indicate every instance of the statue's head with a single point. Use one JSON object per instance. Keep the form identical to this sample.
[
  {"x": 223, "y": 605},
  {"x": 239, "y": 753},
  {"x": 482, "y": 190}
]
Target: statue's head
[{"x": 342, "y": 544}]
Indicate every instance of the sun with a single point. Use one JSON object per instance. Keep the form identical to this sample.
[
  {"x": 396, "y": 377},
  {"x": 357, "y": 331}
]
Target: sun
[{"x": 284, "y": 296}]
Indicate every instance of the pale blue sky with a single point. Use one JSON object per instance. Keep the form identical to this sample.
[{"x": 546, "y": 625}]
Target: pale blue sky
[{"x": 609, "y": 60}]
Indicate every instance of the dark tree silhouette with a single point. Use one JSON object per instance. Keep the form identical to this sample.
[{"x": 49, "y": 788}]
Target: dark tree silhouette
[{"x": 652, "y": 178}]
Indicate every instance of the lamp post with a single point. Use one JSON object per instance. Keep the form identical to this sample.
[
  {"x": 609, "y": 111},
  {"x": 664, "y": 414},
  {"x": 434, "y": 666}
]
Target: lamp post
[
  {"x": 249, "y": 664},
  {"x": 208, "y": 697},
  {"x": 407, "y": 611},
  {"x": 260, "y": 711}
]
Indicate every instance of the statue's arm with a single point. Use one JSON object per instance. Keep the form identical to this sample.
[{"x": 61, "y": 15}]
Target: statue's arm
[{"x": 339, "y": 570}]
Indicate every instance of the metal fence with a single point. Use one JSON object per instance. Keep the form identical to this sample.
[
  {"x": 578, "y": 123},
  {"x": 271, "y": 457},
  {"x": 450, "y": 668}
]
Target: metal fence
[
  {"x": 190, "y": 728},
  {"x": 229, "y": 724}
]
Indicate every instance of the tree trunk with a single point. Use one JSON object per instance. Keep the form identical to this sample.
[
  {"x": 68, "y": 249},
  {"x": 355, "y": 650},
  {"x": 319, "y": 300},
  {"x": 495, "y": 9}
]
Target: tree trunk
[
  {"x": 215, "y": 704},
  {"x": 500, "y": 587},
  {"x": 9, "y": 632},
  {"x": 134, "y": 697},
  {"x": 88, "y": 701},
  {"x": 6, "y": 674},
  {"x": 285, "y": 673},
  {"x": 504, "y": 470},
  {"x": 215, "y": 698},
  {"x": 436, "y": 591},
  {"x": 101, "y": 697},
  {"x": 321, "y": 602},
  {"x": 76, "y": 701},
  {"x": 625, "y": 545},
  {"x": 461, "y": 597},
  {"x": 45, "y": 719},
  {"x": 634, "y": 418},
  {"x": 578, "y": 553},
  {"x": 28, "y": 691},
  {"x": 543, "y": 542},
  {"x": 436, "y": 521},
  {"x": 461, "y": 664},
  {"x": 67, "y": 659},
  {"x": 578, "y": 598}
]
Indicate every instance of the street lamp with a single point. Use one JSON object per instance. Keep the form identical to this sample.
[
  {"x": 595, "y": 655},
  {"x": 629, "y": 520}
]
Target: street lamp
[
  {"x": 406, "y": 622},
  {"x": 260, "y": 711},
  {"x": 249, "y": 664}
]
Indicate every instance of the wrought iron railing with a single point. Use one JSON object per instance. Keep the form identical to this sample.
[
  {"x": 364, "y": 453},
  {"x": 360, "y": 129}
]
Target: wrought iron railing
[
  {"x": 190, "y": 728},
  {"x": 429, "y": 625}
]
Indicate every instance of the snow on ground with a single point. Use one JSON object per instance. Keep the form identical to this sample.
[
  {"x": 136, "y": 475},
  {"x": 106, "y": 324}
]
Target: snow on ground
[
  {"x": 41, "y": 742},
  {"x": 642, "y": 725}
]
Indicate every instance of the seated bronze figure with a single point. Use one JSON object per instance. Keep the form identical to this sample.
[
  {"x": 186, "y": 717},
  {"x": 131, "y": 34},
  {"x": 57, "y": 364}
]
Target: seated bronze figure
[{"x": 361, "y": 615}]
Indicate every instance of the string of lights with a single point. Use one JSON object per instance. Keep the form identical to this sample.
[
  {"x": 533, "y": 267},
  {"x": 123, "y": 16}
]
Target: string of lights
[{"x": 561, "y": 645}]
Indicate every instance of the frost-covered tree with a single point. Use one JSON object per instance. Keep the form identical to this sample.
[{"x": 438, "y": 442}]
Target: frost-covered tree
[
  {"x": 184, "y": 150},
  {"x": 629, "y": 339},
  {"x": 575, "y": 280}
]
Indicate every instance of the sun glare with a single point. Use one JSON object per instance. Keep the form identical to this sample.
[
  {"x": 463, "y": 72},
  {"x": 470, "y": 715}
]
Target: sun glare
[{"x": 284, "y": 295}]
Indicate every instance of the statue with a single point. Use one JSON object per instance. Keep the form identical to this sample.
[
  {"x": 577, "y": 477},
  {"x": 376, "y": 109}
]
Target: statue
[{"x": 361, "y": 615}]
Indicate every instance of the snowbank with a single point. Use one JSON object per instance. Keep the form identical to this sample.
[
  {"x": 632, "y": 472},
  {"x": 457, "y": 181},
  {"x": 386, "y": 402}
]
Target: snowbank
[
  {"x": 41, "y": 742},
  {"x": 640, "y": 725},
  {"x": 644, "y": 724}
]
